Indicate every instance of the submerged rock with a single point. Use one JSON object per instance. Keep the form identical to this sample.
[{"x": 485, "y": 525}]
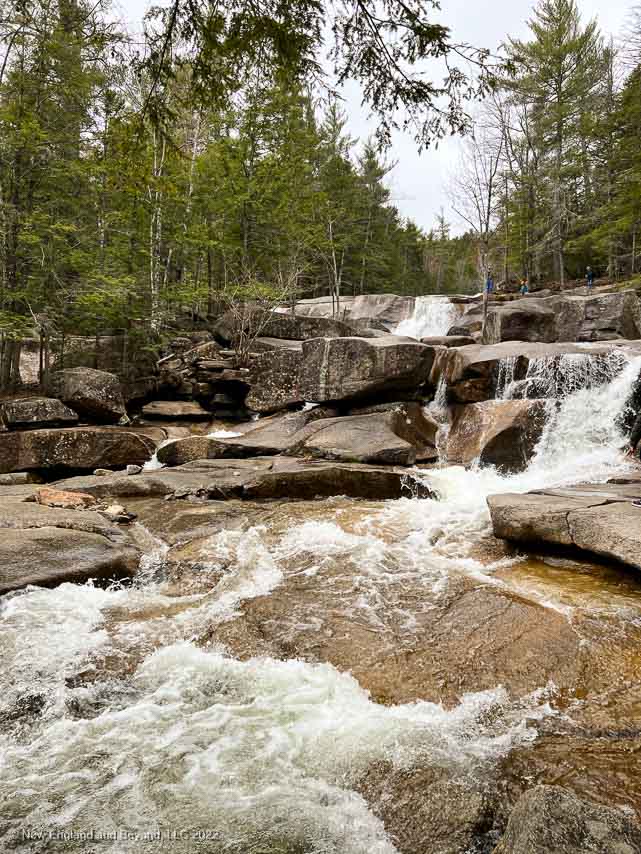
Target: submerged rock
[
  {"x": 35, "y": 412},
  {"x": 95, "y": 395},
  {"x": 551, "y": 820}
]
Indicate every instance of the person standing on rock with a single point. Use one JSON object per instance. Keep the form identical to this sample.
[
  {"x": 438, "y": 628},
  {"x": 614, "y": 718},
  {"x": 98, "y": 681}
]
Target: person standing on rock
[
  {"x": 635, "y": 436},
  {"x": 489, "y": 283},
  {"x": 589, "y": 275}
]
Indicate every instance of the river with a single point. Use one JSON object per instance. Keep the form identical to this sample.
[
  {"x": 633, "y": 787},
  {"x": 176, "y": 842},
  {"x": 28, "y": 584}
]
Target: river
[{"x": 312, "y": 677}]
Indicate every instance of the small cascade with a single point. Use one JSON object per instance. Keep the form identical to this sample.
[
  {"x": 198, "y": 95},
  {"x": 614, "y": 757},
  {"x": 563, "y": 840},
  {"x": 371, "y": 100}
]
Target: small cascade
[
  {"x": 438, "y": 410},
  {"x": 556, "y": 377},
  {"x": 506, "y": 377},
  {"x": 433, "y": 316},
  {"x": 584, "y": 437}
]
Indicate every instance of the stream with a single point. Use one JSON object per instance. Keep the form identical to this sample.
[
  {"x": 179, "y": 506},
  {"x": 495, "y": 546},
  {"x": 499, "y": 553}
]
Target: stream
[{"x": 314, "y": 676}]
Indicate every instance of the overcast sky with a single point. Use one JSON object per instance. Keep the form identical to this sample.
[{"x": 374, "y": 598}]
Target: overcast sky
[{"x": 419, "y": 182}]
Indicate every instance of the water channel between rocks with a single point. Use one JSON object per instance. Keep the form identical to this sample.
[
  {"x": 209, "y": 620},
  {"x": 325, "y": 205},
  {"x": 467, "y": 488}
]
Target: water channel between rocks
[{"x": 334, "y": 677}]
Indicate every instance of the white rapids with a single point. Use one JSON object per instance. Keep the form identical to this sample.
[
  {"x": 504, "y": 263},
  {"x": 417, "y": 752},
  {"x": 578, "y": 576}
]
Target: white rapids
[
  {"x": 432, "y": 316},
  {"x": 257, "y": 755}
]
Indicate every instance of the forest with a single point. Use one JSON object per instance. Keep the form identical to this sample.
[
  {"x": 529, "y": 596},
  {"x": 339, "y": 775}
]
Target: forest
[{"x": 146, "y": 177}]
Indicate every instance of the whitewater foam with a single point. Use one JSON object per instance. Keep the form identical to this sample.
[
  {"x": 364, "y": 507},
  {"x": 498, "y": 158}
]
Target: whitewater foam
[
  {"x": 259, "y": 752},
  {"x": 432, "y": 316}
]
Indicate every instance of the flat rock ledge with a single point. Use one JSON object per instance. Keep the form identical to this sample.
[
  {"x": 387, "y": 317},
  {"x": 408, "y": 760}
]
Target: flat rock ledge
[
  {"x": 257, "y": 479},
  {"x": 596, "y": 518},
  {"x": 47, "y": 546}
]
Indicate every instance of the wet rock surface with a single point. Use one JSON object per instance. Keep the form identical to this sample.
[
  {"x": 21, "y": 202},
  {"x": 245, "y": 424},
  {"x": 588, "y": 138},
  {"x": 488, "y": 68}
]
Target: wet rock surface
[
  {"x": 600, "y": 519},
  {"x": 501, "y": 433},
  {"x": 48, "y": 546},
  {"x": 472, "y": 372},
  {"x": 260, "y": 478},
  {"x": 549, "y": 819}
]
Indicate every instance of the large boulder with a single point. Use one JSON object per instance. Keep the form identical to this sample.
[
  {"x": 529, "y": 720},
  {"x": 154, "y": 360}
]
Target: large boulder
[
  {"x": 79, "y": 448},
  {"x": 94, "y": 395},
  {"x": 280, "y": 324},
  {"x": 551, "y": 820},
  {"x": 358, "y": 439},
  {"x": 600, "y": 519},
  {"x": 501, "y": 433},
  {"x": 565, "y": 317},
  {"x": 598, "y": 317},
  {"x": 111, "y": 353},
  {"x": 521, "y": 320},
  {"x": 296, "y": 327},
  {"x": 412, "y": 422},
  {"x": 50, "y": 556},
  {"x": 33, "y": 413},
  {"x": 352, "y": 369},
  {"x": 376, "y": 310},
  {"x": 274, "y": 380},
  {"x": 47, "y": 546},
  {"x": 393, "y": 434}
]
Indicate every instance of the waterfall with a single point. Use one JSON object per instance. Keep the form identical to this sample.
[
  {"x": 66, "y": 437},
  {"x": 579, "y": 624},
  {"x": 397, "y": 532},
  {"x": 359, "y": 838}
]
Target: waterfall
[
  {"x": 584, "y": 437},
  {"x": 558, "y": 376},
  {"x": 263, "y": 753},
  {"x": 433, "y": 316},
  {"x": 505, "y": 378}
]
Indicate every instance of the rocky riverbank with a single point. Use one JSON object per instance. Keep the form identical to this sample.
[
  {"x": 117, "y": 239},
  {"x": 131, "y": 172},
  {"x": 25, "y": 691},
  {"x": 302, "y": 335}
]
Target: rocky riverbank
[{"x": 313, "y": 613}]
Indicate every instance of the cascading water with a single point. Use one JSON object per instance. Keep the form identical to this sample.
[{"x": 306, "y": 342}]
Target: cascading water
[
  {"x": 557, "y": 376},
  {"x": 432, "y": 316},
  {"x": 221, "y": 755}
]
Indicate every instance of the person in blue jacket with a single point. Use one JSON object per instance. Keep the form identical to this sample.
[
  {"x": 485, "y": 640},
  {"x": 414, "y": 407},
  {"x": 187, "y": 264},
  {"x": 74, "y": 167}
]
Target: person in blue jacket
[
  {"x": 589, "y": 275},
  {"x": 489, "y": 283}
]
